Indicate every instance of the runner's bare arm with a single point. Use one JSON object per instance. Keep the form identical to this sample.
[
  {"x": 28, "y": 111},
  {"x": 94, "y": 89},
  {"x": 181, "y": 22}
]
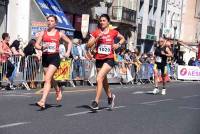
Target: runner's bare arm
[
  {"x": 121, "y": 41},
  {"x": 39, "y": 40},
  {"x": 68, "y": 42},
  {"x": 121, "y": 37},
  {"x": 169, "y": 53},
  {"x": 92, "y": 41}
]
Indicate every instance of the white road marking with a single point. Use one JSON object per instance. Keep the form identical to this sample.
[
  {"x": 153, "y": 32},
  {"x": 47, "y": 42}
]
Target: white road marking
[
  {"x": 17, "y": 95},
  {"x": 14, "y": 124},
  {"x": 190, "y": 108},
  {"x": 191, "y": 96},
  {"x": 157, "y": 101},
  {"x": 143, "y": 92},
  {"x": 89, "y": 111}
]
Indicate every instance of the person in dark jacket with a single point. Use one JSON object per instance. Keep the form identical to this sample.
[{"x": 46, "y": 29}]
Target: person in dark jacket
[{"x": 191, "y": 61}]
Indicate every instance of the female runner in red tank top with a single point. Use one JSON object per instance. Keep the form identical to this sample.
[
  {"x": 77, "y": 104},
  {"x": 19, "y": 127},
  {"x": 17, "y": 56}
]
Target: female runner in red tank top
[
  {"x": 103, "y": 38},
  {"x": 50, "y": 39}
]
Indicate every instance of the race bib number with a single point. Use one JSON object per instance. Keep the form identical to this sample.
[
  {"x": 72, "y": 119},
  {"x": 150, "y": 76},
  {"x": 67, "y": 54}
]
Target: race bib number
[
  {"x": 158, "y": 59},
  {"x": 104, "y": 49},
  {"x": 49, "y": 47}
]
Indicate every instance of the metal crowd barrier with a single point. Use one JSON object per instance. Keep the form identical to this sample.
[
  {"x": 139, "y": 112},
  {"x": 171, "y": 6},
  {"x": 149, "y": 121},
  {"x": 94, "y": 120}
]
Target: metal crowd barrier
[{"x": 28, "y": 69}]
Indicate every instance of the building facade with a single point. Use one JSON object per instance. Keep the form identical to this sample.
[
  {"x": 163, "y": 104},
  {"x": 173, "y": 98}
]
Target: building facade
[
  {"x": 172, "y": 24},
  {"x": 191, "y": 21},
  {"x": 3, "y": 15},
  {"x": 150, "y": 20},
  {"x": 121, "y": 12},
  {"x": 190, "y": 29},
  {"x": 26, "y": 18},
  {"x": 123, "y": 16}
]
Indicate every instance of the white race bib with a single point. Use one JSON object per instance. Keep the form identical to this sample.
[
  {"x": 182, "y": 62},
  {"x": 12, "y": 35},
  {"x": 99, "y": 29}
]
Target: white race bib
[
  {"x": 158, "y": 59},
  {"x": 104, "y": 49},
  {"x": 49, "y": 47}
]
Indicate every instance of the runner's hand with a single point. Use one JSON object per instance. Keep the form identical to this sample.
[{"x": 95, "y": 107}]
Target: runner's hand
[{"x": 115, "y": 46}]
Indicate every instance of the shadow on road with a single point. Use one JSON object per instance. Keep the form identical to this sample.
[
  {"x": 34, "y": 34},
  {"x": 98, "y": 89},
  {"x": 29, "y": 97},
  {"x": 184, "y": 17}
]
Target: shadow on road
[{"x": 47, "y": 106}]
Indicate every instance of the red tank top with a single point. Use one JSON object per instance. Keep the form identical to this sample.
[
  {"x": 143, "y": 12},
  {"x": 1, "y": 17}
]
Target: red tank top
[
  {"x": 51, "y": 43},
  {"x": 104, "y": 46}
]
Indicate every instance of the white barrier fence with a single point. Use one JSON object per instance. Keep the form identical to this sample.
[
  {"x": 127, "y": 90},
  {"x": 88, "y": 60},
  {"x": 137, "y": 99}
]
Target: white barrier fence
[
  {"x": 29, "y": 69},
  {"x": 188, "y": 72}
]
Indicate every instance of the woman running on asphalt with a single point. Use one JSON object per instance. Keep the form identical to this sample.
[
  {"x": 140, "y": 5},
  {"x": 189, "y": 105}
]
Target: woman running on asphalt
[
  {"x": 103, "y": 37},
  {"x": 50, "y": 39}
]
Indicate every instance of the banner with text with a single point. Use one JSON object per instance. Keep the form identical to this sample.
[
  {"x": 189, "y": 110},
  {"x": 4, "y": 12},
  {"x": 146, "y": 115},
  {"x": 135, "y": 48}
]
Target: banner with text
[{"x": 188, "y": 72}]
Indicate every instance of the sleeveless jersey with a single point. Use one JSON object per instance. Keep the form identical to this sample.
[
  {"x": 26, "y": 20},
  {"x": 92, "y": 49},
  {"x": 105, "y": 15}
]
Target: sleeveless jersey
[
  {"x": 51, "y": 43},
  {"x": 160, "y": 59},
  {"x": 104, "y": 46}
]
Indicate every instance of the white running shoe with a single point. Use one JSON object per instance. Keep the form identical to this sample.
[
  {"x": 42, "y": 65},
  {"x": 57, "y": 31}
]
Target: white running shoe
[
  {"x": 163, "y": 91},
  {"x": 156, "y": 91},
  {"x": 111, "y": 102}
]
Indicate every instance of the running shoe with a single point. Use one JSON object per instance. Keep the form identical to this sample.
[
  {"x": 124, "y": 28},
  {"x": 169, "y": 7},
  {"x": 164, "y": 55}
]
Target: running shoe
[
  {"x": 94, "y": 105},
  {"x": 163, "y": 91},
  {"x": 111, "y": 102},
  {"x": 155, "y": 91}
]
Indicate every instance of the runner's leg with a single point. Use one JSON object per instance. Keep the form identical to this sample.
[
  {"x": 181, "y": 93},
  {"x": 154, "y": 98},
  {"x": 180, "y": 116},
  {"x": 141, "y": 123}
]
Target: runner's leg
[
  {"x": 47, "y": 85},
  {"x": 100, "y": 78}
]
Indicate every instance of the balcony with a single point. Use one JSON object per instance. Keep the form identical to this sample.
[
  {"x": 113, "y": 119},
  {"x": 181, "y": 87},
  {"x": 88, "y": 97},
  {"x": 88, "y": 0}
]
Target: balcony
[
  {"x": 150, "y": 30},
  {"x": 123, "y": 15}
]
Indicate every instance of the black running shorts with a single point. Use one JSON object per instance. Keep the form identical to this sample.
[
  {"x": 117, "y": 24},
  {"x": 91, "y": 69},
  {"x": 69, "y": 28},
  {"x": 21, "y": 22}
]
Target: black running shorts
[
  {"x": 53, "y": 59},
  {"x": 110, "y": 62}
]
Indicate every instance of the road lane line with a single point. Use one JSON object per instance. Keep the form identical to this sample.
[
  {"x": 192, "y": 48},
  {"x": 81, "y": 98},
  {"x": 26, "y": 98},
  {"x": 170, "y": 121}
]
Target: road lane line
[
  {"x": 191, "y": 96},
  {"x": 142, "y": 92},
  {"x": 157, "y": 101},
  {"x": 71, "y": 91},
  {"x": 14, "y": 124},
  {"x": 190, "y": 108},
  {"x": 17, "y": 95},
  {"x": 89, "y": 111}
]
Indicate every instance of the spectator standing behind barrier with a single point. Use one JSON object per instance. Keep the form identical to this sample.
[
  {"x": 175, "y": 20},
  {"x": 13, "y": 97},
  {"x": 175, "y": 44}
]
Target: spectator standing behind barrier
[
  {"x": 5, "y": 53},
  {"x": 191, "y": 61},
  {"x": 77, "y": 73},
  {"x": 162, "y": 52},
  {"x": 103, "y": 39},
  {"x": 50, "y": 39},
  {"x": 16, "y": 48},
  {"x": 33, "y": 62},
  {"x": 197, "y": 62}
]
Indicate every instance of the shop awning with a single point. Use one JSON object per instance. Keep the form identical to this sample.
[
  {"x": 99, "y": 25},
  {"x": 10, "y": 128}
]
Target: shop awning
[{"x": 52, "y": 7}]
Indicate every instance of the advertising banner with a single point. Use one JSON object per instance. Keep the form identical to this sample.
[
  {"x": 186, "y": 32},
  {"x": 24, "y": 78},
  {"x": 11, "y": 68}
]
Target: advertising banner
[
  {"x": 37, "y": 27},
  {"x": 188, "y": 72},
  {"x": 64, "y": 70}
]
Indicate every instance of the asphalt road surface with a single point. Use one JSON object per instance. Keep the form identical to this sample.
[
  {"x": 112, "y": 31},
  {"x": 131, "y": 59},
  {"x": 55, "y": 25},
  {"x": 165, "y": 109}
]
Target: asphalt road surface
[{"x": 137, "y": 111}]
